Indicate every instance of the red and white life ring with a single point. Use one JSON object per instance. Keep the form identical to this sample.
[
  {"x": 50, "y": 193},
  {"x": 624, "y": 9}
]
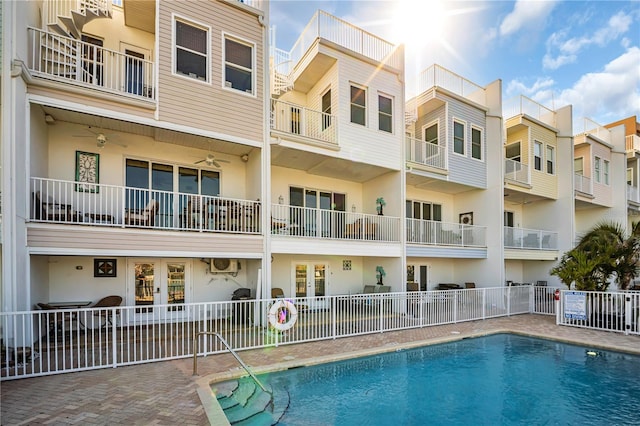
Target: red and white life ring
[{"x": 283, "y": 315}]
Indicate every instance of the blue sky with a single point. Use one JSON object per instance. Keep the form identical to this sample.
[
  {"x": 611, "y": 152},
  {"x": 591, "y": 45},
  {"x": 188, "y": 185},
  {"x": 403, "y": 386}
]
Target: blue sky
[{"x": 583, "y": 53}]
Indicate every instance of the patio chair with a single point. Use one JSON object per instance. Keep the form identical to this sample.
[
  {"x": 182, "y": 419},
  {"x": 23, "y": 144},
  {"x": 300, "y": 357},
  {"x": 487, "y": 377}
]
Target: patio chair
[
  {"x": 103, "y": 316},
  {"x": 144, "y": 217},
  {"x": 194, "y": 212},
  {"x": 53, "y": 211},
  {"x": 469, "y": 285},
  {"x": 277, "y": 293}
]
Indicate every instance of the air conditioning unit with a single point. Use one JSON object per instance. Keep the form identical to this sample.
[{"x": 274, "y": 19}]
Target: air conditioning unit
[{"x": 223, "y": 265}]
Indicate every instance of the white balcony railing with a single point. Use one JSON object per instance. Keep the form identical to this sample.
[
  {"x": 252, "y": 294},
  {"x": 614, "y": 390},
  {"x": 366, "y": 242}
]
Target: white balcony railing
[
  {"x": 431, "y": 232},
  {"x": 57, "y": 201},
  {"x": 583, "y": 184},
  {"x": 66, "y": 59},
  {"x": 426, "y": 153},
  {"x": 342, "y": 33},
  {"x": 632, "y": 143},
  {"x": 331, "y": 224},
  {"x": 298, "y": 120},
  {"x": 438, "y": 76},
  {"x": 516, "y": 171},
  {"x": 590, "y": 127},
  {"x": 633, "y": 194},
  {"x": 523, "y": 105},
  {"x": 530, "y": 239},
  {"x": 63, "y": 8}
]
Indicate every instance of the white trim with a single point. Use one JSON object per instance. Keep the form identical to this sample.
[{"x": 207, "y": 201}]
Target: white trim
[
  {"x": 482, "y": 143},
  {"x": 392, "y": 115},
  {"x": 188, "y": 21},
  {"x": 254, "y": 70},
  {"x": 542, "y": 148},
  {"x": 455, "y": 120},
  {"x": 426, "y": 126},
  {"x": 366, "y": 103}
]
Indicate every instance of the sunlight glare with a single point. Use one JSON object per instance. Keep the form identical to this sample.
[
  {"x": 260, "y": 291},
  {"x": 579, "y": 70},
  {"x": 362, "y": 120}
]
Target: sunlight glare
[{"x": 418, "y": 22}]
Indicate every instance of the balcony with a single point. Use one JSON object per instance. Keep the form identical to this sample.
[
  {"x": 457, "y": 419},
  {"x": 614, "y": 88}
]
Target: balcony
[
  {"x": 522, "y": 105},
  {"x": 632, "y": 143},
  {"x": 295, "y": 120},
  {"x": 328, "y": 27},
  {"x": 431, "y": 232},
  {"x": 437, "y": 76},
  {"x": 425, "y": 153},
  {"x": 583, "y": 184},
  {"x": 517, "y": 172},
  {"x": 76, "y": 203},
  {"x": 293, "y": 221},
  {"x": 68, "y": 60},
  {"x": 633, "y": 194},
  {"x": 530, "y": 239},
  {"x": 590, "y": 127}
]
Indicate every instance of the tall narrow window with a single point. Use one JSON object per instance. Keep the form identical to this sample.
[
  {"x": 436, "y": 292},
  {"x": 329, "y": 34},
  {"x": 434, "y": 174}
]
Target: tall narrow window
[
  {"x": 92, "y": 60},
  {"x": 458, "y": 137},
  {"x": 385, "y": 114},
  {"x": 476, "y": 143},
  {"x": 596, "y": 169},
  {"x": 191, "y": 56},
  {"x": 630, "y": 177},
  {"x": 551, "y": 159},
  {"x": 512, "y": 152},
  {"x": 326, "y": 109},
  {"x": 431, "y": 134},
  {"x": 537, "y": 155},
  {"x": 508, "y": 219},
  {"x": 358, "y": 105},
  {"x": 605, "y": 171},
  {"x": 578, "y": 166},
  {"x": 238, "y": 65}
]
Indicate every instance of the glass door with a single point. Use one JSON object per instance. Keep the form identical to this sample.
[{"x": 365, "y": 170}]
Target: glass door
[
  {"x": 310, "y": 280},
  {"x": 158, "y": 283}
]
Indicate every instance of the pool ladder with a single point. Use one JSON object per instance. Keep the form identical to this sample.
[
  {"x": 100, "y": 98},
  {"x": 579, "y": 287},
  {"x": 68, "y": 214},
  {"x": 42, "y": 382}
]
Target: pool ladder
[{"x": 224, "y": 342}]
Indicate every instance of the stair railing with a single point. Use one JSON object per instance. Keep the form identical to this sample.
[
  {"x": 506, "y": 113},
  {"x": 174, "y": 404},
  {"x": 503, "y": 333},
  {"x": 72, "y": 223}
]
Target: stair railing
[{"x": 224, "y": 342}]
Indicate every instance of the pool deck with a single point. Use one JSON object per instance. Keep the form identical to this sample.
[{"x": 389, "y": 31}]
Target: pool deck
[{"x": 166, "y": 393}]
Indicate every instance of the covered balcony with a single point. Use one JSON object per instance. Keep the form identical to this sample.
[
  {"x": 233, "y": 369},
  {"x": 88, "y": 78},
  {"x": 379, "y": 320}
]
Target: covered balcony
[
  {"x": 65, "y": 59},
  {"x": 517, "y": 172},
  {"x": 431, "y": 232},
  {"x": 293, "y": 221},
  {"x": 295, "y": 121},
  {"x": 583, "y": 184},
  {"x": 530, "y": 239},
  {"x": 425, "y": 153},
  {"x": 77, "y": 203},
  {"x": 522, "y": 105}
]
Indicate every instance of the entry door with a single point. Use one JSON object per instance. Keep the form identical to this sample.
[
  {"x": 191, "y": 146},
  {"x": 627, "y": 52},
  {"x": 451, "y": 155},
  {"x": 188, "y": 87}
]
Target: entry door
[
  {"x": 156, "y": 282},
  {"x": 310, "y": 279},
  {"x": 418, "y": 274}
]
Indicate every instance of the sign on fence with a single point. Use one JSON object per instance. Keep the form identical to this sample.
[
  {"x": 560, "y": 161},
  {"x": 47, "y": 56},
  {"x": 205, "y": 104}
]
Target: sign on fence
[{"x": 575, "y": 305}]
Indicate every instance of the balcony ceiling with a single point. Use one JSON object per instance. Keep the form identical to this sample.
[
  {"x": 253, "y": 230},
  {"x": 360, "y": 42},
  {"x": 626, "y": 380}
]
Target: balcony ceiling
[
  {"x": 512, "y": 197},
  {"x": 306, "y": 78},
  {"x": 436, "y": 184},
  {"x": 322, "y": 165},
  {"x": 159, "y": 134},
  {"x": 140, "y": 14}
]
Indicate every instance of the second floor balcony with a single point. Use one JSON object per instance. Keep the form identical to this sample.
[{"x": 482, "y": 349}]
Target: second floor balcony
[
  {"x": 633, "y": 194},
  {"x": 298, "y": 121},
  {"x": 529, "y": 239},
  {"x": 65, "y": 59},
  {"x": 432, "y": 232},
  {"x": 76, "y": 203},
  {"x": 516, "y": 171},
  {"x": 583, "y": 184}
]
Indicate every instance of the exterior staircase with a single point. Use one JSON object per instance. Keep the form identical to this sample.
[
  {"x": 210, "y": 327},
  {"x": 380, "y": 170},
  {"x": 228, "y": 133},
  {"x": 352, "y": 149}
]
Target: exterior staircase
[
  {"x": 68, "y": 17},
  {"x": 244, "y": 403}
]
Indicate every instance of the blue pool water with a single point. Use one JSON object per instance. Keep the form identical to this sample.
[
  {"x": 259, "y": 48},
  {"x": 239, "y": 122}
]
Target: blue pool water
[{"x": 496, "y": 380}]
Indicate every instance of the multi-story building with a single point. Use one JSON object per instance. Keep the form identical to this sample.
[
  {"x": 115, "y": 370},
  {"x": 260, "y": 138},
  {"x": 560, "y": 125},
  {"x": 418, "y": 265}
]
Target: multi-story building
[
  {"x": 453, "y": 184},
  {"x": 538, "y": 189},
  {"x": 133, "y": 151}
]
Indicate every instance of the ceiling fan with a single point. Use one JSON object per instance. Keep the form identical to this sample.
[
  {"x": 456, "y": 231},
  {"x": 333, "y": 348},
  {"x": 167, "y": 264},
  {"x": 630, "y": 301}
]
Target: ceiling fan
[
  {"x": 101, "y": 139},
  {"x": 210, "y": 160}
]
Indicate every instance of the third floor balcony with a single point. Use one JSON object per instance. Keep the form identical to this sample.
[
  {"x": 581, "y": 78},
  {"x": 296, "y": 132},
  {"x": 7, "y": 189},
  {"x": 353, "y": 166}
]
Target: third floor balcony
[{"x": 299, "y": 122}]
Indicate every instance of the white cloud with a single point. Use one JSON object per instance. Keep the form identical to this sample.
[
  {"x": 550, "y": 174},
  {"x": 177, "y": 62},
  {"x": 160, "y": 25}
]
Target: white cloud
[
  {"x": 562, "y": 51},
  {"x": 517, "y": 87},
  {"x": 609, "y": 95},
  {"x": 526, "y": 14}
]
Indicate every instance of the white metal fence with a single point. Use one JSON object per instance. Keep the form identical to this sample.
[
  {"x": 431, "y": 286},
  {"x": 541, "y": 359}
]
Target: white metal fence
[
  {"x": 44, "y": 342},
  {"x": 530, "y": 239},
  {"x": 432, "y": 232}
]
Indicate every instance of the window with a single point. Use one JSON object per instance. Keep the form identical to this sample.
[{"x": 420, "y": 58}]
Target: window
[
  {"x": 476, "y": 143},
  {"x": 550, "y": 159},
  {"x": 605, "y": 171},
  {"x": 630, "y": 177},
  {"x": 238, "y": 65},
  {"x": 596, "y": 166},
  {"x": 431, "y": 134},
  {"x": 508, "y": 219},
  {"x": 537, "y": 155},
  {"x": 358, "y": 105},
  {"x": 385, "y": 114},
  {"x": 424, "y": 210},
  {"x": 512, "y": 152},
  {"x": 191, "y": 55},
  {"x": 326, "y": 109},
  {"x": 578, "y": 166},
  {"x": 458, "y": 137}
]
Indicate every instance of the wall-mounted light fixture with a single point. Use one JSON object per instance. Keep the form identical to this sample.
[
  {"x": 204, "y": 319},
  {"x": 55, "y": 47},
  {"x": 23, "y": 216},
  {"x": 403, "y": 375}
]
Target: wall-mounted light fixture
[
  {"x": 244, "y": 157},
  {"x": 353, "y": 208},
  {"x": 281, "y": 200},
  {"x": 49, "y": 119}
]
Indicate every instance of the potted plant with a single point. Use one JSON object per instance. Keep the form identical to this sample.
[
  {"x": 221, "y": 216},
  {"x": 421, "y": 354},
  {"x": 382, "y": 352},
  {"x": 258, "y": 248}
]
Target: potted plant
[
  {"x": 380, "y": 203},
  {"x": 379, "y": 274}
]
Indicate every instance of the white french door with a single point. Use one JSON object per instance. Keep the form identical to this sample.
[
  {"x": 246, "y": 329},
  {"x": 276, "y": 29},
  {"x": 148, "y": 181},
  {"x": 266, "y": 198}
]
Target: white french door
[
  {"x": 310, "y": 279},
  {"x": 154, "y": 282}
]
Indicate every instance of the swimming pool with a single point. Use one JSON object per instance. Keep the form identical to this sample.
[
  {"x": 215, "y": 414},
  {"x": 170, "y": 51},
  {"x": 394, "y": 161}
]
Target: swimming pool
[{"x": 499, "y": 379}]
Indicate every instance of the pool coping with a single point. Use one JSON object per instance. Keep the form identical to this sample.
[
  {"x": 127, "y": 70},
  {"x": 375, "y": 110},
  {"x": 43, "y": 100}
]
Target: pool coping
[{"x": 216, "y": 415}]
